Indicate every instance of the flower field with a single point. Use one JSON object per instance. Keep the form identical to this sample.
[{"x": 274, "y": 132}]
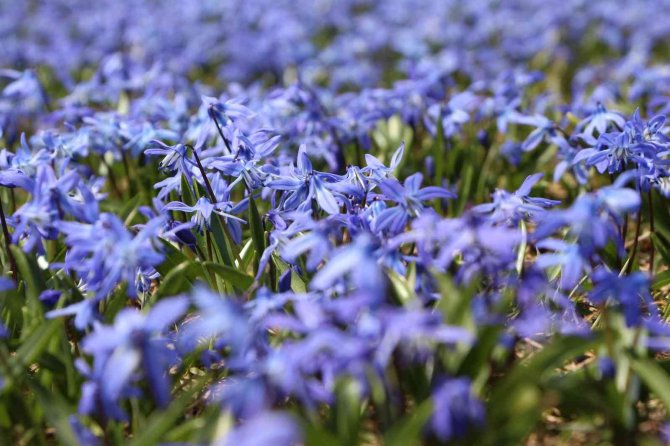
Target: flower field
[{"x": 334, "y": 222}]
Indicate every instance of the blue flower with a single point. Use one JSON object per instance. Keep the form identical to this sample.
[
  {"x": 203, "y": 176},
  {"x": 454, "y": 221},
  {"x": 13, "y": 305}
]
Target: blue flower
[
  {"x": 566, "y": 255},
  {"x": 84, "y": 435},
  {"x": 511, "y": 208},
  {"x": 613, "y": 152},
  {"x": 593, "y": 219},
  {"x": 304, "y": 184},
  {"x": 175, "y": 158},
  {"x": 313, "y": 237},
  {"x": 377, "y": 170},
  {"x": 455, "y": 409},
  {"x": 105, "y": 254},
  {"x": 49, "y": 298},
  {"x": 545, "y": 130},
  {"x": 359, "y": 261},
  {"x": 50, "y": 201},
  {"x": 226, "y": 112},
  {"x": 599, "y": 120},
  {"x": 630, "y": 293},
  {"x": 219, "y": 319},
  {"x": 203, "y": 210},
  {"x": 453, "y": 115},
  {"x": 135, "y": 341},
  {"x": 275, "y": 428},
  {"x": 243, "y": 163},
  {"x": 410, "y": 199}
]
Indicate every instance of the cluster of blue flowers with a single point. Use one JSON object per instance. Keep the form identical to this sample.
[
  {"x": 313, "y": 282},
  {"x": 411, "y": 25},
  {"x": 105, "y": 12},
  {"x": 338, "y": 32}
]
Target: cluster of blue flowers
[{"x": 281, "y": 208}]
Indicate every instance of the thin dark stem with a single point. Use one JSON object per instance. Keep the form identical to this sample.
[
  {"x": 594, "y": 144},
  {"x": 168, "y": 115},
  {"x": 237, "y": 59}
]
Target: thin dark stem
[
  {"x": 633, "y": 251},
  {"x": 212, "y": 197},
  {"x": 220, "y": 130},
  {"x": 5, "y": 232},
  {"x": 208, "y": 185},
  {"x": 652, "y": 229}
]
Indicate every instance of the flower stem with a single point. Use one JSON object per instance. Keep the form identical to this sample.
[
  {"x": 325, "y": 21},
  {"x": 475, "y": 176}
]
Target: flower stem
[
  {"x": 631, "y": 258},
  {"x": 220, "y": 130},
  {"x": 212, "y": 197},
  {"x": 208, "y": 185},
  {"x": 652, "y": 251},
  {"x": 5, "y": 232}
]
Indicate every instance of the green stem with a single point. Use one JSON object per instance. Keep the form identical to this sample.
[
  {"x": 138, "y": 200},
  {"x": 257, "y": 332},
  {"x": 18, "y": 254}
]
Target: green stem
[{"x": 112, "y": 179}]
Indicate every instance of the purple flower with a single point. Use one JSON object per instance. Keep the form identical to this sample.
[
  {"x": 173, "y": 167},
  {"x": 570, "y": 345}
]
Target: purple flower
[
  {"x": 631, "y": 293},
  {"x": 377, "y": 170},
  {"x": 275, "y": 428},
  {"x": 410, "y": 199},
  {"x": 49, "y": 298},
  {"x": 566, "y": 255},
  {"x": 304, "y": 184},
  {"x": 135, "y": 341},
  {"x": 219, "y": 319},
  {"x": 203, "y": 210},
  {"x": 356, "y": 260},
  {"x": 593, "y": 219},
  {"x": 455, "y": 409},
  {"x": 511, "y": 208},
  {"x": 613, "y": 152},
  {"x": 226, "y": 112},
  {"x": 545, "y": 130},
  {"x": 175, "y": 158},
  {"x": 105, "y": 254},
  {"x": 599, "y": 120},
  {"x": 51, "y": 199}
]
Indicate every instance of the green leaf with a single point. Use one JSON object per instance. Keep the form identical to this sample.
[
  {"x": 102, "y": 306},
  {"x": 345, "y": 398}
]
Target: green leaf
[
  {"x": 256, "y": 227},
  {"x": 30, "y": 273},
  {"x": 439, "y": 152},
  {"x": 407, "y": 432},
  {"x": 297, "y": 283},
  {"x": 178, "y": 279},
  {"x": 162, "y": 421},
  {"x": 173, "y": 257},
  {"x": 115, "y": 303},
  {"x": 468, "y": 173},
  {"x": 515, "y": 404},
  {"x": 57, "y": 413},
  {"x": 36, "y": 343},
  {"x": 661, "y": 280},
  {"x": 455, "y": 302},
  {"x": 129, "y": 209},
  {"x": 318, "y": 436},
  {"x": 221, "y": 241},
  {"x": 230, "y": 275},
  {"x": 662, "y": 246},
  {"x": 401, "y": 288},
  {"x": 655, "y": 377},
  {"x": 348, "y": 411},
  {"x": 186, "y": 193}
]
